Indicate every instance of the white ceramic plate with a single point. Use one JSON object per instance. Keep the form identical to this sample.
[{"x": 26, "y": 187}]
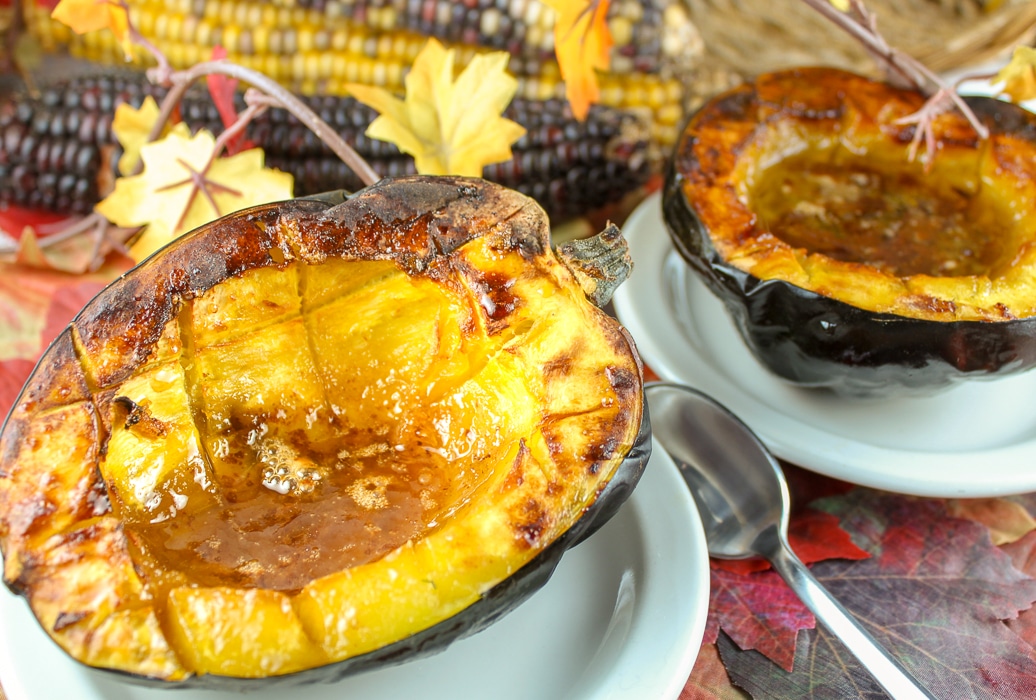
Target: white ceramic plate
[
  {"x": 621, "y": 619},
  {"x": 977, "y": 439}
]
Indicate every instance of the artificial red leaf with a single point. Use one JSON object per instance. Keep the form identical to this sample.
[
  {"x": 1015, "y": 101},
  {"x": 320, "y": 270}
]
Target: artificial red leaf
[
  {"x": 13, "y": 219},
  {"x": 758, "y": 611},
  {"x": 814, "y": 535},
  {"x": 222, "y": 88},
  {"x": 936, "y": 592},
  {"x": 13, "y": 374},
  {"x": 755, "y": 607},
  {"x": 1023, "y": 555},
  {"x": 650, "y": 375},
  {"x": 709, "y": 679}
]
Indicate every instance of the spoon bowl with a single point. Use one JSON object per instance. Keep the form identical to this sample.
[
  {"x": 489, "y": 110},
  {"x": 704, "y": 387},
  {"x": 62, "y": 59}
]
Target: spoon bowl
[
  {"x": 744, "y": 502},
  {"x": 745, "y": 493}
]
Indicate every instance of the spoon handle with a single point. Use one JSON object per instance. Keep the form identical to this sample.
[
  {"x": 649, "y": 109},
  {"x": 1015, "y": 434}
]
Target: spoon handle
[{"x": 887, "y": 671}]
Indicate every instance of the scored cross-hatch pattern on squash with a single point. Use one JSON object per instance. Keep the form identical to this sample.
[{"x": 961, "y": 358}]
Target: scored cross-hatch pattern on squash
[{"x": 163, "y": 398}]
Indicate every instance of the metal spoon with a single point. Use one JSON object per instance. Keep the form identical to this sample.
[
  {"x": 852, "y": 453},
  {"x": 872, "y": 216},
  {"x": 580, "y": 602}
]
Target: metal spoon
[{"x": 744, "y": 502}]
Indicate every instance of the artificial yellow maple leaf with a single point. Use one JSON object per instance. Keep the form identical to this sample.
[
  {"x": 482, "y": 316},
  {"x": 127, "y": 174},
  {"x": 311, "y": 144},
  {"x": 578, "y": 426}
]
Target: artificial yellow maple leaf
[
  {"x": 132, "y": 128},
  {"x": 1019, "y": 76},
  {"x": 166, "y": 198},
  {"x": 582, "y": 44},
  {"x": 449, "y": 127},
  {"x": 90, "y": 15}
]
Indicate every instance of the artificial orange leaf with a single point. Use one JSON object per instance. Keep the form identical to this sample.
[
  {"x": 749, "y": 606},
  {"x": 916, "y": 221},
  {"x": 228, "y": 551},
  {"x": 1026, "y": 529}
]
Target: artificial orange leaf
[
  {"x": 35, "y": 305},
  {"x": 1019, "y": 76},
  {"x": 179, "y": 189},
  {"x": 582, "y": 44},
  {"x": 29, "y": 251},
  {"x": 90, "y": 15},
  {"x": 132, "y": 128},
  {"x": 34, "y": 238},
  {"x": 449, "y": 127},
  {"x": 6, "y": 16},
  {"x": 1007, "y": 521},
  {"x": 709, "y": 679}
]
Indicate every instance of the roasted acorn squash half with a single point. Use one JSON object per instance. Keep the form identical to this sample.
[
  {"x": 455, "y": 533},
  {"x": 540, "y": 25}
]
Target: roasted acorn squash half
[
  {"x": 844, "y": 263},
  {"x": 316, "y": 436}
]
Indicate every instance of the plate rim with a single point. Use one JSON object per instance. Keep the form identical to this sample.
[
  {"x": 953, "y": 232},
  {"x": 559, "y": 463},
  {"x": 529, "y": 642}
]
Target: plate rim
[
  {"x": 960, "y": 473},
  {"x": 660, "y": 502}
]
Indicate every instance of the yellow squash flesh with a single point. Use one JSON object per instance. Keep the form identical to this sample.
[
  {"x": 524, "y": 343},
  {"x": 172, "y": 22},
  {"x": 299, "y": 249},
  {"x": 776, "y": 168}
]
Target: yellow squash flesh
[{"x": 301, "y": 434}]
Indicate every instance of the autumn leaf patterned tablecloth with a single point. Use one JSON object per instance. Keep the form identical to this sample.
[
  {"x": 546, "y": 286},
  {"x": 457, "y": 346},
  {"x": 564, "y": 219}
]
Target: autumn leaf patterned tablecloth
[{"x": 948, "y": 585}]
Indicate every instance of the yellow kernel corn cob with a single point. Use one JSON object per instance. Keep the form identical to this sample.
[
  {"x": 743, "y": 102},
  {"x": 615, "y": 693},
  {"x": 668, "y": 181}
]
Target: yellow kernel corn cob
[{"x": 320, "y": 46}]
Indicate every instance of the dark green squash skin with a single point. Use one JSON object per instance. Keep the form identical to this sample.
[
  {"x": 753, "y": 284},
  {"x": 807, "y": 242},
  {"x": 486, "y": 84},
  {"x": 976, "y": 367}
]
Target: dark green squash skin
[
  {"x": 495, "y": 603},
  {"x": 816, "y": 341}
]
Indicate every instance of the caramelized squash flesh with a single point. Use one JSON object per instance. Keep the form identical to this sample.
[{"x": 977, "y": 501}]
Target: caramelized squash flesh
[
  {"x": 321, "y": 453},
  {"x": 850, "y": 260}
]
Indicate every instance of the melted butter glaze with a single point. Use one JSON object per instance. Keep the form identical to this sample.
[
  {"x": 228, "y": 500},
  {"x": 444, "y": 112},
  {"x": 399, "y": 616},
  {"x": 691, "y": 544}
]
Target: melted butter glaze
[{"x": 895, "y": 221}]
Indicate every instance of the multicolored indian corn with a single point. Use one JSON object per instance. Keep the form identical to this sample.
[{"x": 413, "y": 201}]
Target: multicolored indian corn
[
  {"x": 58, "y": 152},
  {"x": 319, "y": 46}
]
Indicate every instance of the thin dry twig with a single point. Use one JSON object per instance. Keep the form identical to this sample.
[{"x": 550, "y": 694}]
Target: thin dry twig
[
  {"x": 860, "y": 23},
  {"x": 180, "y": 81},
  {"x": 264, "y": 93}
]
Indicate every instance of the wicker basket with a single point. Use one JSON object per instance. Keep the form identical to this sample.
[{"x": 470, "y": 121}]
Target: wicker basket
[{"x": 754, "y": 36}]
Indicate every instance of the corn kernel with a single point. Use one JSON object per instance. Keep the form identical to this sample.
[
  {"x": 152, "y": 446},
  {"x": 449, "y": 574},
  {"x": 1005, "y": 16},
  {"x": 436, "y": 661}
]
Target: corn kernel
[
  {"x": 231, "y": 41},
  {"x": 355, "y": 44},
  {"x": 622, "y": 31},
  {"x": 253, "y": 16},
  {"x": 384, "y": 50},
  {"x": 304, "y": 39},
  {"x": 203, "y": 34},
  {"x": 260, "y": 40},
  {"x": 366, "y": 71},
  {"x": 311, "y": 66},
  {"x": 323, "y": 65},
  {"x": 379, "y": 74},
  {"x": 225, "y": 14},
  {"x": 322, "y": 40}
]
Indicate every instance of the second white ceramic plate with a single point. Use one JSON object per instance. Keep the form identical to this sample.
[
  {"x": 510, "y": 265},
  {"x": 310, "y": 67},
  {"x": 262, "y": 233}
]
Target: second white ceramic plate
[
  {"x": 977, "y": 439},
  {"x": 621, "y": 619}
]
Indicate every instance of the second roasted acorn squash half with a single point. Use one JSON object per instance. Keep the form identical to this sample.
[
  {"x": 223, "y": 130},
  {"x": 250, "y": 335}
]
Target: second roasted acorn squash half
[
  {"x": 318, "y": 437},
  {"x": 845, "y": 263}
]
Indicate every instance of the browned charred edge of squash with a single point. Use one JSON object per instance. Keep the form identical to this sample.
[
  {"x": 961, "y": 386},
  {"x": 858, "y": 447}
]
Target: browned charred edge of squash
[
  {"x": 815, "y": 339},
  {"x": 435, "y": 218},
  {"x": 127, "y": 327},
  {"x": 817, "y": 98}
]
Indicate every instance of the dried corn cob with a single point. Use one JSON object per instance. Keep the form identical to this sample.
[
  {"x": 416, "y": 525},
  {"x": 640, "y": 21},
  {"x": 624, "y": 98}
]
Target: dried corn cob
[
  {"x": 318, "y": 47},
  {"x": 57, "y": 151}
]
